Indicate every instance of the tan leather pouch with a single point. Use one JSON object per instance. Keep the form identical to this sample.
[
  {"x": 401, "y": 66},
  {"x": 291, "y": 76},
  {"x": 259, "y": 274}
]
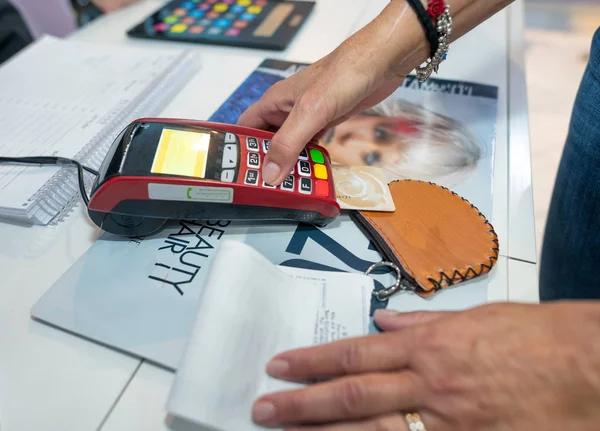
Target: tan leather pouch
[{"x": 435, "y": 237}]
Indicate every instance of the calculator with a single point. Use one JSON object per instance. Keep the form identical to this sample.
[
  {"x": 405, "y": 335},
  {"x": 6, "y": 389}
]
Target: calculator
[
  {"x": 172, "y": 169},
  {"x": 264, "y": 24}
]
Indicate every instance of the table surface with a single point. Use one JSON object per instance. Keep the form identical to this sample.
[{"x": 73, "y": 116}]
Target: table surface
[{"x": 50, "y": 379}]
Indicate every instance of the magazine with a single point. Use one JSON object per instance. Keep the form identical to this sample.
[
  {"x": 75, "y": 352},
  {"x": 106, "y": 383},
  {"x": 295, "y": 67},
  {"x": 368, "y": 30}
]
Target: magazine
[{"x": 140, "y": 295}]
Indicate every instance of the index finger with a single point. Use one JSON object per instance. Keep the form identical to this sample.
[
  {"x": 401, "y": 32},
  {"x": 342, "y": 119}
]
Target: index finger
[{"x": 374, "y": 353}]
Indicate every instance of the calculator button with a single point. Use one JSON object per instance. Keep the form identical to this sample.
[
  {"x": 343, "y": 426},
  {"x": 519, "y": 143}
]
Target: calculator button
[
  {"x": 269, "y": 186},
  {"x": 204, "y": 7},
  {"x": 303, "y": 154},
  {"x": 212, "y": 14},
  {"x": 288, "y": 184},
  {"x": 232, "y": 32},
  {"x": 227, "y": 175},
  {"x": 253, "y": 160},
  {"x": 244, "y": 2},
  {"x": 205, "y": 22},
  {"x": 260, "y": 3},
  {"x": 215, "y": 31},
  {"x": 252, "y": 177},
  {"x": 161, "y": 26},
  {"x": 305, "y": 186},
  {"x": 222, "y": 23},
  {"x": 230, "y": 138},
  {"x": 317, "y": 156},
  {"x": 229, "y": 156},
  {"x": 170, "y": 19},
  {"x": 321, "y": 188},
  {"x": 252, "y": 143},
  {"x": 321, "y": 172},
  {"x": 304, "y": 168},
  {"x": 180, "y": 12},
  {"x": 254, "y": 9},
  {"x": 237, "y": 9},
  {"x": 196, "y": 29},
  {"x": 266, "y": 145},
  {"x": 220, "y": 7},
  {"x": 197, "y": 13},
  {"x": 188, "y": 20},
  {"x": 179, "y": 28},
  {"x": 247, "y": 16}
]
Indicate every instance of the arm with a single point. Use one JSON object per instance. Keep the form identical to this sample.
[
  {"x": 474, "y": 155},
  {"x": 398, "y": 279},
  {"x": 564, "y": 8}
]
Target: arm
[{"x": 361, "y": 72}]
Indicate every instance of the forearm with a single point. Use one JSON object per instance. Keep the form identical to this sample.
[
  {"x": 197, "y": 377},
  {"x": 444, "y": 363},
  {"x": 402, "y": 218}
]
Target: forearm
[{"x": 401, "y": 38}]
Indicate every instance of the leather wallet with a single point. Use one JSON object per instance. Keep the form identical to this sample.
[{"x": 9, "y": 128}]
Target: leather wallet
[{"x": 435, "y": 237}]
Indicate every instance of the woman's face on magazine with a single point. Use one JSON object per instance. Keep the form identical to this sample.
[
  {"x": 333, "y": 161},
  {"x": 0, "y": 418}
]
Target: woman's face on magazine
[{"x": 366, "y": 140}]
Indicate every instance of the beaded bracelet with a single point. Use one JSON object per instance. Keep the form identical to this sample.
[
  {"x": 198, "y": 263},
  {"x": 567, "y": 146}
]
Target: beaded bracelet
[{"x": 437, "y": 23}]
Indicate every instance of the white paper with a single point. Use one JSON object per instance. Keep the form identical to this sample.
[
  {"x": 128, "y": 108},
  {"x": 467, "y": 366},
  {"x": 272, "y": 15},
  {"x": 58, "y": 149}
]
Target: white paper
[
  {"x": 60, "y": 96},
  {"x": 270, "y": 309}
]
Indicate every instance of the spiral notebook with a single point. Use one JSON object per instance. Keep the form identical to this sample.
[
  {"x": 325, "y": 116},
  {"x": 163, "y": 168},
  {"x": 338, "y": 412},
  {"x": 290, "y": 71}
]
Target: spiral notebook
[{"x": 70, "y": 98}]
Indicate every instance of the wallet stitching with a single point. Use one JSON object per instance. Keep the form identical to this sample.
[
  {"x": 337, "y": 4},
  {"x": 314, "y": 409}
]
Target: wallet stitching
[{"x": 458, "y": 276}]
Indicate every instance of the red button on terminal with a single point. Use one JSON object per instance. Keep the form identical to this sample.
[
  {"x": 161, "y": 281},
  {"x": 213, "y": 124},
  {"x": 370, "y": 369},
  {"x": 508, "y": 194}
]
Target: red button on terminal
[{"x": 321, "y": 188}]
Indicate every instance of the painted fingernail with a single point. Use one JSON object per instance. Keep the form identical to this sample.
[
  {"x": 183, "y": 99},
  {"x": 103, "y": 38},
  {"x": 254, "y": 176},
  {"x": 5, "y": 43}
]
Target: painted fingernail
[
  {"x": 271, "y": 172},
  {"x": 263, "y": 411},
  {"x": 278, "y": 368}
]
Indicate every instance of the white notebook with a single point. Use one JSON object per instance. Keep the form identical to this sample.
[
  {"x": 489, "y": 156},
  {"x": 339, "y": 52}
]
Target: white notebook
[
  {"x": 244, "y": 318},
  {"x": 71, "y": 99}
]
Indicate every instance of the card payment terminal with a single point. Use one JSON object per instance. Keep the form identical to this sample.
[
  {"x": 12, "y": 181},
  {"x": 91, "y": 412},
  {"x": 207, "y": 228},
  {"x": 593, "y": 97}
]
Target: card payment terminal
[{"x": 161, "y": 169}]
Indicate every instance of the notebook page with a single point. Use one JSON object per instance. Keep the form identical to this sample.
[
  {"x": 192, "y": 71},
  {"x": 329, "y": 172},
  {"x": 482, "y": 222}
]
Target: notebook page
[
  {"x": 248, "y": 315},
  {"x": 57, "y": 95}
]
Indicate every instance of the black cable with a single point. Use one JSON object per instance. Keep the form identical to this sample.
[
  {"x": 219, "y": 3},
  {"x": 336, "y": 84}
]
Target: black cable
[
  {"x": 60, "y": 161},
  {"x": 428, "y": 26}
]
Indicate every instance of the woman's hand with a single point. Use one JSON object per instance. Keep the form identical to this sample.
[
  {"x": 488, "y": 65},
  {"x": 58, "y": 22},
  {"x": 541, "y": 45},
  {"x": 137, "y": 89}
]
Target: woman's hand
[
  {"x": 497, "y": 367},
  {"x": 360, "y": 73},
  {"x": 112, "y": 5}
]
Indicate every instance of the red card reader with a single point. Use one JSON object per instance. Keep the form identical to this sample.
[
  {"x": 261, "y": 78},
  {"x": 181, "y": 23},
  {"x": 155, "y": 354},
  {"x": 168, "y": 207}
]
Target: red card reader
[{"x": 171, "y": 169}]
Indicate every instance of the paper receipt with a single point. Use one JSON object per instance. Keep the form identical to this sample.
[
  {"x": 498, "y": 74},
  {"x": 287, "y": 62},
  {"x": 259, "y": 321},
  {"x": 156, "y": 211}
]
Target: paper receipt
[{"x": 362, "y": 188}]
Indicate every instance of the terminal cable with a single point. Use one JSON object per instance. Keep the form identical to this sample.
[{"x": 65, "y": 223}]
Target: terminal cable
[{"x": 59, "y": 161}]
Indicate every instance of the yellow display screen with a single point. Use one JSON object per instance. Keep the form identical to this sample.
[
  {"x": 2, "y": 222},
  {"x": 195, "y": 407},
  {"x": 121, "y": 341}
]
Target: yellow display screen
[{"x": 181, "y": 152}]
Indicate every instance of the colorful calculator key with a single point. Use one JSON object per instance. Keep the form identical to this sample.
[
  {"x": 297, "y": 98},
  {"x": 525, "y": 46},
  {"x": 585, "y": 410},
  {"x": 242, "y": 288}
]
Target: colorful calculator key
[
  {"x": 261, "y": 3},
  {"x": 197, "y": 13},
  {"x": 254, "y": 9},
  {"x": 240, "y": 24},
  {"x": 222, "y": 23},
  {"x": 179, "y": 28},
  {"x": 170, "y": 19},
  {"x": 213, "y": 15},
  {"x": 188, "y": 20},
  {"x": 215, "y": 31},
  {"x": 248, "y": 16},
  {"x": 188, "y": 5},
  {"x": 244, "y": 2},
  {"x": 204, "y": 7},
  {"x": 180, "y": 12},
  {"x": 196, "y": 29},
  {"x": 161, "y": 26},
  {"x": 232, "y": 32},
  {"x": 220, "y": 7},
  {"x": 237, "y": 9}
]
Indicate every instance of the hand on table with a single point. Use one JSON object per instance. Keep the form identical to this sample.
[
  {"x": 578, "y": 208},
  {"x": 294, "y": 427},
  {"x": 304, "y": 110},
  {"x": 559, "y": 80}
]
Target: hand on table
[
  {"x": 497, "y": 367},
  {"x": 112, "y": 5}
]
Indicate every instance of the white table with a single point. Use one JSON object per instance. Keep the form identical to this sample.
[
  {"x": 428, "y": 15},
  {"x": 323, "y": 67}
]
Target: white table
[{"x": 51, "y": 380}]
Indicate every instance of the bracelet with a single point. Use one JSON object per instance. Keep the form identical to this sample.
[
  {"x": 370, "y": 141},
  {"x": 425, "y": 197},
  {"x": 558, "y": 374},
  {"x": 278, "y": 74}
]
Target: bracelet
[
  {"x": 427, "y": 23},
  {"x": 438, "y": 34}
]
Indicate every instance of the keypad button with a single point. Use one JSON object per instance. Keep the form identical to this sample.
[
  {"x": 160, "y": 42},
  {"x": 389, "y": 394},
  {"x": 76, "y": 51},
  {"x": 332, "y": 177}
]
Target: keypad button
[
  {"x": 252, "y": 177},
  {"x": 220, "y": 7},
  {"x": 303, "y": 154},
  {"x": 179, "y": 28},
  {"x": 266, "y": 145},
  {"x": 288, "y": 184},
  {"x": 305, "y": 186},
  {"x": 252, "y": 143},
  {"x": 230, "y": 138},
  {"x": 321, "y": 188},
  {"x": 227, "y": 175},
  {"x": 317, "y": 156},
  {"x": 321, "y": 172},
  {"x": 253, "y": 160},
  {"x": 269, "y": 186},
  {"x": 304, "y": 168},
  {"x": 233, "y": 32},
  {"x": 215, "y": 31},
  {"x": 229, "y": 156}
]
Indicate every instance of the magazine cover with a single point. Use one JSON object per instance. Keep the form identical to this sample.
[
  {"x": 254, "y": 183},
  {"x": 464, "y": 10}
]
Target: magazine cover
[{"x": 140, "y": 295}]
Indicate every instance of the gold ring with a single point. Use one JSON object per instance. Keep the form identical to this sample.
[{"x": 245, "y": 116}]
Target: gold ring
[{"x": 414, "y": 422}]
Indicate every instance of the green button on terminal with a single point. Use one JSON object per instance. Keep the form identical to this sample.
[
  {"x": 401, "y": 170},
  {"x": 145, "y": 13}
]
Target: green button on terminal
[{"x": 317, "y": 156}]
